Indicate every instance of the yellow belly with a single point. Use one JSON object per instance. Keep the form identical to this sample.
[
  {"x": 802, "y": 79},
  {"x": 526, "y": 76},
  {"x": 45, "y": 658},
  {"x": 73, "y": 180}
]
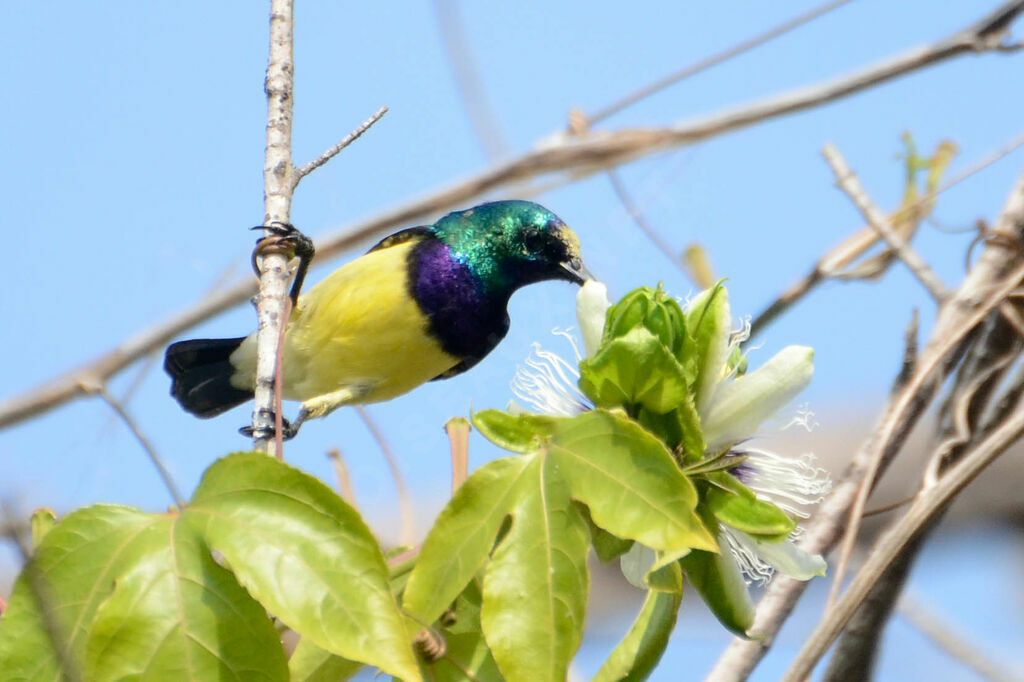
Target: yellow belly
[{"x": 359, "y": 328}]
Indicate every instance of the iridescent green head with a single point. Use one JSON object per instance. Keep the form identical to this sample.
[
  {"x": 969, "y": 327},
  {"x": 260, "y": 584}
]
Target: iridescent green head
[{"x": 508, "y": 244}]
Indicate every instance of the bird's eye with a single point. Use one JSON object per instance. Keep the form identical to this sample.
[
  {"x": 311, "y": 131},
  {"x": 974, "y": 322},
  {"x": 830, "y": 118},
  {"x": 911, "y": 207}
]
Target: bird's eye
[{"x": 533, "y": 240}]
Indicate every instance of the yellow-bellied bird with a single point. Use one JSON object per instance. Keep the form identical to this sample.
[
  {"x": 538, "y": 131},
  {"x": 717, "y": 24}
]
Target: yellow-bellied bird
[{"x": 425, "y": 303}]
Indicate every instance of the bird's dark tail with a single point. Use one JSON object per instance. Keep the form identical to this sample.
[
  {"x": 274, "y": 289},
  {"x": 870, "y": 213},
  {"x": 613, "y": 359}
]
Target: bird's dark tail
[{"x": 201, "y": 372}]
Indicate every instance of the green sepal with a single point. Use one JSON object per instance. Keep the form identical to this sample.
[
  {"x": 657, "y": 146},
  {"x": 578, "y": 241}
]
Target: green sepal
[
  {"x": 736, "y": 505},
  {"x": 522, "y": 433},
  {"x": 708, "y": 324},
  {"x": 635, "y": 369},
  {"x": 719, "y": 581},
  {"x": 635, "y": 657},
  {"x": 628, "y": 313}
]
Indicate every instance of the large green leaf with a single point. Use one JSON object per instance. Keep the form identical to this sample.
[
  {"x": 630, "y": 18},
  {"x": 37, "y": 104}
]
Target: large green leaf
[
  {"x": 306, "y": 556},
  {"x": 536, "y": 584},
  {"x": 462, "y": 537},
  {"x": 635, "y": 369},
  {"x": 59, "y": 591},
  {"x": 177, "y": 614},
  {"x": 640, "y": 650},
  {"x": 630, "y": 483},
  {"x": 310, "y": 663}
]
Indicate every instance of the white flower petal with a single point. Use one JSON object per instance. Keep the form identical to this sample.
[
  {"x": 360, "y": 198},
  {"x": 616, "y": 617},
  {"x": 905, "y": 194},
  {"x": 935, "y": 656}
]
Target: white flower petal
[
  {"x": 636, "y": 563},
  {"x": 785, "y": 557},
  {"x": 738, "y": 407},
  {"x": 591, "y": 308}
]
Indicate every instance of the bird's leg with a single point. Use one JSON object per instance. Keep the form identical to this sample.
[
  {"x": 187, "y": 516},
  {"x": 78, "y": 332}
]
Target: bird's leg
[
  {"x": 288, "y": 429},
  {"x": 314, "y": 408},
  {"x": 287, "y": 239}
]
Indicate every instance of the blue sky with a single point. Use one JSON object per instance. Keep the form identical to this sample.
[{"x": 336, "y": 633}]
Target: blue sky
[{"x": 133, "y": 141}]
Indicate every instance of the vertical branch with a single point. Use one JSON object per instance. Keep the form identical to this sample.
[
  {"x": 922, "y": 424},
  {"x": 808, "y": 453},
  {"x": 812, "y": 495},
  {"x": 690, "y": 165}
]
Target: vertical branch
[{"x": 277, "y": 197}]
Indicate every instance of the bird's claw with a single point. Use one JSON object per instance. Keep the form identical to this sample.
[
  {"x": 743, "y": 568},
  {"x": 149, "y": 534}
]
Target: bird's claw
[
  {"x": 288, "y": 431},
  {"x": 283, "y": 238}
]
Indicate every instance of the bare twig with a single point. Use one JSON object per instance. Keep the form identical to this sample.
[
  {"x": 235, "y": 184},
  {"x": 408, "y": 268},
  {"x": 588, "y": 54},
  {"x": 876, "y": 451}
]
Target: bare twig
[
  {"x": 989, "y": 282},
  {"x": 348, "y": 493},
  {"x": 582, "y": 157},
  {"x": 119, "y": 409},
  {"x": 407, "y": 532},
  {"x": 850, "y": 185},
  {"x": 641, "y": 222},
  {"x": 713, "y": 60},
  {"x": 471, "y": 87},
  {"x": 277, "y": 198},
  {"x": 892, "y": 542},
  {"x": 306, "y": 169},
  {"x": 457, "y": 429},
  {"x": 933, "y": 624},
  {"x": 855, "y": 245}
]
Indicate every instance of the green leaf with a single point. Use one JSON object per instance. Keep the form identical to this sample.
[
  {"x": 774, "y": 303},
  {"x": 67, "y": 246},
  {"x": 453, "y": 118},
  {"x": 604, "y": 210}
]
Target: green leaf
[
  {"x": 177, "y": 614},
  {"x": 635, "y": 369},
  {"x": 310, "y": 663},
  {"x": 640, "y": 650},
  {"x": 43, "y": 520},
  {"x": 536, "y": 584},
  {"x": 306, "y": 556},
  {"x": 741, "y": 509},
  {"x": 73, "y": 570},
  {"x": 708, "y": 324},
  {"x": 523, "y": 433},
  {"x": 462, "y": 537},
  {"x": 630, "y": 483},
  {"x": 718, "y": 580}
]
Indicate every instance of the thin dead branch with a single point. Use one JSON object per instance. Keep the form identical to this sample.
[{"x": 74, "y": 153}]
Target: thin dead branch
[
  {"x": 308, "y": 168},
  {"x": 348, "y": 493},
  {"x": 708, "y": 62},
  {"x": 934, "y": 625},
  {"x": 889, "y": 546},
  {"x": 154, "y": 457},
  {"x": 579, "y": 156},
  {"x": 407, "y": 530},
  {"x": 993, "y": 277},
  {"x": 848, "y": 182},
  {"x": 457, "y": 429},
  {"x": 478, "y": 106},
  {"x": 855, "y": 245},
  {"x": 278, "y": 183}
]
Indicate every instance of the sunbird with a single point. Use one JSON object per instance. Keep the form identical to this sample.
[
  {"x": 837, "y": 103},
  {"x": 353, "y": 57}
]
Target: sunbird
[{"x": 423, "y": 304}]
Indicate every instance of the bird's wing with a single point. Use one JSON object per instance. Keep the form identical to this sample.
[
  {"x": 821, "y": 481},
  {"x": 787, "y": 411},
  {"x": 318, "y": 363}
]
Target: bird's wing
[{"x": 400, "y": 237}]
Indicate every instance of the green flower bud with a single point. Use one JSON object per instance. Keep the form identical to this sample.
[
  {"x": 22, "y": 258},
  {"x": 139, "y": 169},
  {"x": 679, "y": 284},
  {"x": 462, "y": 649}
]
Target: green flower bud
[{"x": 627, "y": 313}]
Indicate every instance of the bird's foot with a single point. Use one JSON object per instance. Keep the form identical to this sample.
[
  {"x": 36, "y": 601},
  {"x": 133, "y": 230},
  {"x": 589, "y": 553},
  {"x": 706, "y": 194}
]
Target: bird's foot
[
  {"x": 288, "y": 430},
  {"x": 283, "y": 238}
]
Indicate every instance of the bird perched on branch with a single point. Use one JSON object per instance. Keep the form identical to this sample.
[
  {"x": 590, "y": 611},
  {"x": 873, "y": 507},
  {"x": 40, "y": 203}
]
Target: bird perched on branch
[{"x": 425, "y": 303}]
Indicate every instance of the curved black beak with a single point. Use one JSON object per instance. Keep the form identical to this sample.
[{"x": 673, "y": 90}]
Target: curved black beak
[{"x": 575, "y": 271}]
